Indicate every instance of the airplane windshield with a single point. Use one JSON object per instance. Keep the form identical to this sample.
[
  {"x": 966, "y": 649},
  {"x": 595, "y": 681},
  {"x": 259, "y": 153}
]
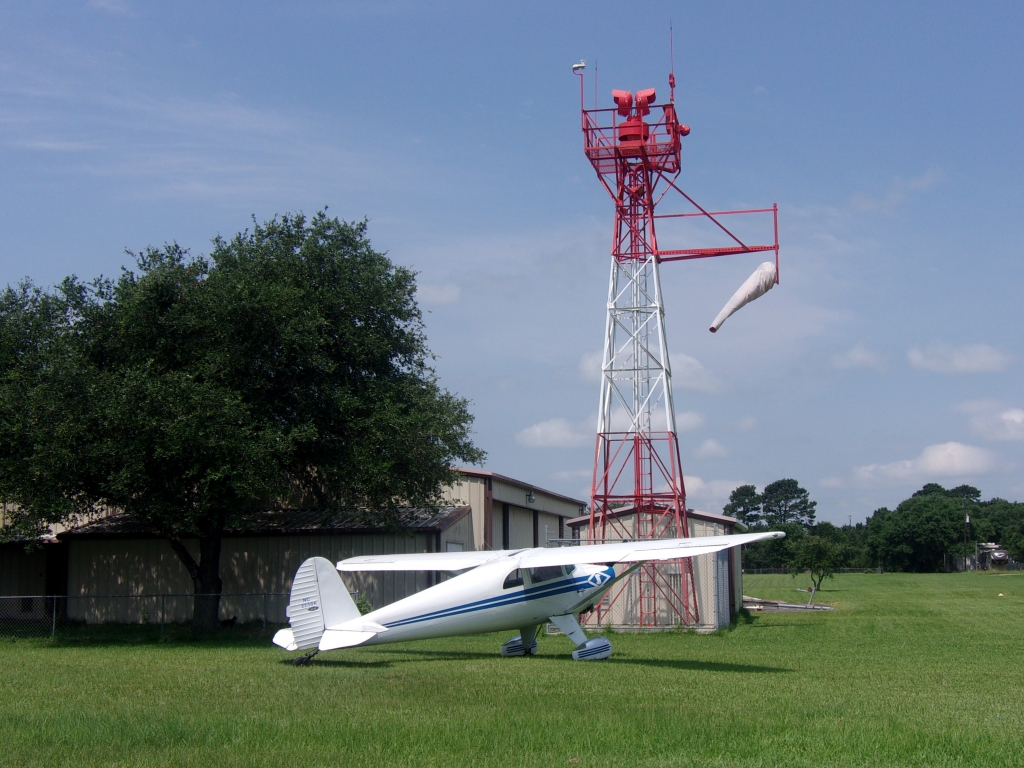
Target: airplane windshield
[
  {"x": 514, "y": 579},
  {"x": 547, "y": 573}
]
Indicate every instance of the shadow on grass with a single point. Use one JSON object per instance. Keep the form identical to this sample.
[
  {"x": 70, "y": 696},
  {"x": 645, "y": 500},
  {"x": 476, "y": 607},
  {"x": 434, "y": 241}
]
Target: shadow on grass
[
  {"x": 342, "y": 663},
  {"x": 440, "y": 655},
  {"x": 174, "y": 635},
  {"x": 682, "y": 664},
  {"x": 697, "y": 666}
]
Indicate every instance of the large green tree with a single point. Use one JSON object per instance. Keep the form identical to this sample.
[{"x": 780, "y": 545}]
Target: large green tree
[
  {"x": 745, "y": 505},
  {"x": 290, "y": 366},
  {"x": 784, "y": 501},
  {"x": 917, "y": 535}
]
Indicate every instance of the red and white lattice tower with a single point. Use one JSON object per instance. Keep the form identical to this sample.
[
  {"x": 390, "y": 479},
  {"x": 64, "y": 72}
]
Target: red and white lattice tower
[{"x": 638, "y": 474}]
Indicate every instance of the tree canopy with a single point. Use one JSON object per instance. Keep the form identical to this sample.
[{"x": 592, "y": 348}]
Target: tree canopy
[
  {"x": 918, "y": 535},
  {"x": 290, "y": 366},
  {"x": 819, "y": 555},
  {"x": 745, "y": 505},
  {"x": 784, "y": 501}
]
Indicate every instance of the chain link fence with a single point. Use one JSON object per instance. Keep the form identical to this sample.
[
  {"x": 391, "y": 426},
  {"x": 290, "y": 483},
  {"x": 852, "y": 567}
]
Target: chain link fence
[
  {"x": 48, "y": 616},
  {"x": 980, "y": 563},
  {"x": 759, "y": 571}
]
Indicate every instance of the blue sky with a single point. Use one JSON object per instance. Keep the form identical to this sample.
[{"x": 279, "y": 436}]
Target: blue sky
[{"x": 889, "y": 355}]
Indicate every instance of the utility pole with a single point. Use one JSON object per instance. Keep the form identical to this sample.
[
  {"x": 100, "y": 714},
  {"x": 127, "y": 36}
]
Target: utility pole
[{"x": 967, "y": 522}]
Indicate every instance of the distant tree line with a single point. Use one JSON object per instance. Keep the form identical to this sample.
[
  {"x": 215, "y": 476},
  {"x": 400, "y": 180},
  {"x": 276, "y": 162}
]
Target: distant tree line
[{"x": 916, "y": 536}]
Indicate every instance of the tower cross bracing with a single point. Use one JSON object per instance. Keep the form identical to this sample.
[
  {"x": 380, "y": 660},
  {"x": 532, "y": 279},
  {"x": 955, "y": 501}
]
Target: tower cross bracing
[{"x": 638, "y": 489}]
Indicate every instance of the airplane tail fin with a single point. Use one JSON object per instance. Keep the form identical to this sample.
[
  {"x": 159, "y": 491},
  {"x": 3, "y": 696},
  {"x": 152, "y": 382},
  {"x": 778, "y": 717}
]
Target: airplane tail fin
[{"x": 318, "y": 600}]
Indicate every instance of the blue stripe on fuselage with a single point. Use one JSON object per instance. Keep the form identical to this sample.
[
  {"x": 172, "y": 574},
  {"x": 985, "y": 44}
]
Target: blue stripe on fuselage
[{"x": 533, "y": 593}]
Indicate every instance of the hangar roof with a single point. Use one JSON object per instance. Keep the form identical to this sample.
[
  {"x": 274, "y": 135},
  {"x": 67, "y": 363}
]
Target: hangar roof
[
  {"x": 696, "y": 514},
  {"x": 269, "y": 522},
  {"x": 520, "y": 483}
]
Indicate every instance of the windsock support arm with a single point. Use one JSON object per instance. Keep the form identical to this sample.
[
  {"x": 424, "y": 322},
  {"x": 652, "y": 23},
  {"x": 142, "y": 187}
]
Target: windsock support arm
[{"x": 685, "y": 254}]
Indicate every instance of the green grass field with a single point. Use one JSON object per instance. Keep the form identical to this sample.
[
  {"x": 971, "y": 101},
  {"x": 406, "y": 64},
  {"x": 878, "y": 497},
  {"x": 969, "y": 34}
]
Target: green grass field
[{"x": 921, "y": 670}]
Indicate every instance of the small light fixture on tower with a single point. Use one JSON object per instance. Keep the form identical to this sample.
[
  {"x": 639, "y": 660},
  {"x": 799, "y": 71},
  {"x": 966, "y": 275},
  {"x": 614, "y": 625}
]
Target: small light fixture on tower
[{"x": 579, "y": 66}]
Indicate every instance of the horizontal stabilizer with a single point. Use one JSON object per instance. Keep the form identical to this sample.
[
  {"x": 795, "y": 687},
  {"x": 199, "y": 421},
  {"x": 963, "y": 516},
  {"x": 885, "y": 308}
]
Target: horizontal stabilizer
[
  {"x": 758, "y": 284},
  {"x": 426, "y": 561},
  {"x": 286, "y": 640},
  {"x": 340, "y": 638},
  {"x": 360, "y": 625}
]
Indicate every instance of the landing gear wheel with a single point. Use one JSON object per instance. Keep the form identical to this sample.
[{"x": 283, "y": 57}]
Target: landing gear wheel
[
  {"x": 515, "y": 647},
  {"x": 594, "y": 649},
  {"x": 303, "y": 661}
]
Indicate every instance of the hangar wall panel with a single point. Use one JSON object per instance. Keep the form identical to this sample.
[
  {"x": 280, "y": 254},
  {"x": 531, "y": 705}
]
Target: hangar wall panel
[
  {"x": 543, "y": 502},
  {"x": 472, "y": 491},
  {"x": 254, "y": 564},
  {"x": 460, "y": 532},
  {"x": 549, "y": 520},
  {"x": 498, "y": 526},
  {"x": 520, "y": 528},
  {"x": 22, "y": 573}
]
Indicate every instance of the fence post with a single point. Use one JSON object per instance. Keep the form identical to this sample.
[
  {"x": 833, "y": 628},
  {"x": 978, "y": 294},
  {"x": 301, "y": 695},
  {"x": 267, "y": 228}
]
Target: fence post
[
  {"x": 161, "y": 616},
  {"x": 53, "y": 618},
  {"x": 264, "y": 611}
]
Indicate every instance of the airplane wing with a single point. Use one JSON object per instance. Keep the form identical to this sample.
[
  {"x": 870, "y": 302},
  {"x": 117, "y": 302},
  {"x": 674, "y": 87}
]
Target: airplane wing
[
  {"x": 425, "y": 561},
  {"x": 639, "y": 551},
  {"x": 630, "y": 552}
]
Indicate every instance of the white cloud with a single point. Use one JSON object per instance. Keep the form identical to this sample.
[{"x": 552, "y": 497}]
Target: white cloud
[
  {"x": 944, "y": 460},
  {"x": 688, "y": 420},
  {"x": 832, "y": 482},
  {"x": 711, "y": 449},
  {"x": 689, "y": 373},
  {"x": 900, "y": 190},
  {"x": 562, "y": 433},
  {"x": 858, "y": 357},
  {"x": 439, "y": 293},
  {"x": 556, "y": 433},
  {"x": 993, "y": 421},
  {"x": 712, "y": 494},
  {"x": 590, "y": 366},
  {"x": 746, "y": 424},
  {"x": 968, "y": 358}
]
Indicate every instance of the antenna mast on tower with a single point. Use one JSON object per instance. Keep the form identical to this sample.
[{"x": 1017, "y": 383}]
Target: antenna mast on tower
[{"x": 638, "y": 490}]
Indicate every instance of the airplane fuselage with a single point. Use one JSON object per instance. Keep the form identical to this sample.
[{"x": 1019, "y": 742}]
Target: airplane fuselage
[{"x": 489, "y": 599}]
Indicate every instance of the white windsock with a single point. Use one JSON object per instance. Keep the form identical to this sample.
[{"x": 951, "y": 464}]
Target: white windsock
[{"x": 758, "y": 284}]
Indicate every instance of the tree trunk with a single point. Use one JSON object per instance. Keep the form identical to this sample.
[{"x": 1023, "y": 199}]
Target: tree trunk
[{"x": 206, "y": 582}]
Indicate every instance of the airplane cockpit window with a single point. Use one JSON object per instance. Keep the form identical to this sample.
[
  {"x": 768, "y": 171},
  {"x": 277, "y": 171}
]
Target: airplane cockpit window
[
  {"x": 547, "y": 573},
  {"x": 514, "y": 579},
  {"x": 570, "y": 570}
]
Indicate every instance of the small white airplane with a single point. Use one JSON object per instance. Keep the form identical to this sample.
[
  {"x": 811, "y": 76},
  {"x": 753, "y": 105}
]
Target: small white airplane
[{"x": 500, "y": 590}]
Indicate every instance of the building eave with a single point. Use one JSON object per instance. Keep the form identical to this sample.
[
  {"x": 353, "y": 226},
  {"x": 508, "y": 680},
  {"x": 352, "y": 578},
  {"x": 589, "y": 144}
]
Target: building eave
[{"x": 512, "y": 480}]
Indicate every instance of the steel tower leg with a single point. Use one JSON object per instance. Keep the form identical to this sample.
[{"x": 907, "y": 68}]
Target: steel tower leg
[
  {"x": 634, "y": 149},
  {"x": 637, "y": 453}
]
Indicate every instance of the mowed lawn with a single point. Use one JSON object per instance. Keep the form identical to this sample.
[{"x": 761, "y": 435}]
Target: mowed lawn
[{"x": 921, "y": 670}]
